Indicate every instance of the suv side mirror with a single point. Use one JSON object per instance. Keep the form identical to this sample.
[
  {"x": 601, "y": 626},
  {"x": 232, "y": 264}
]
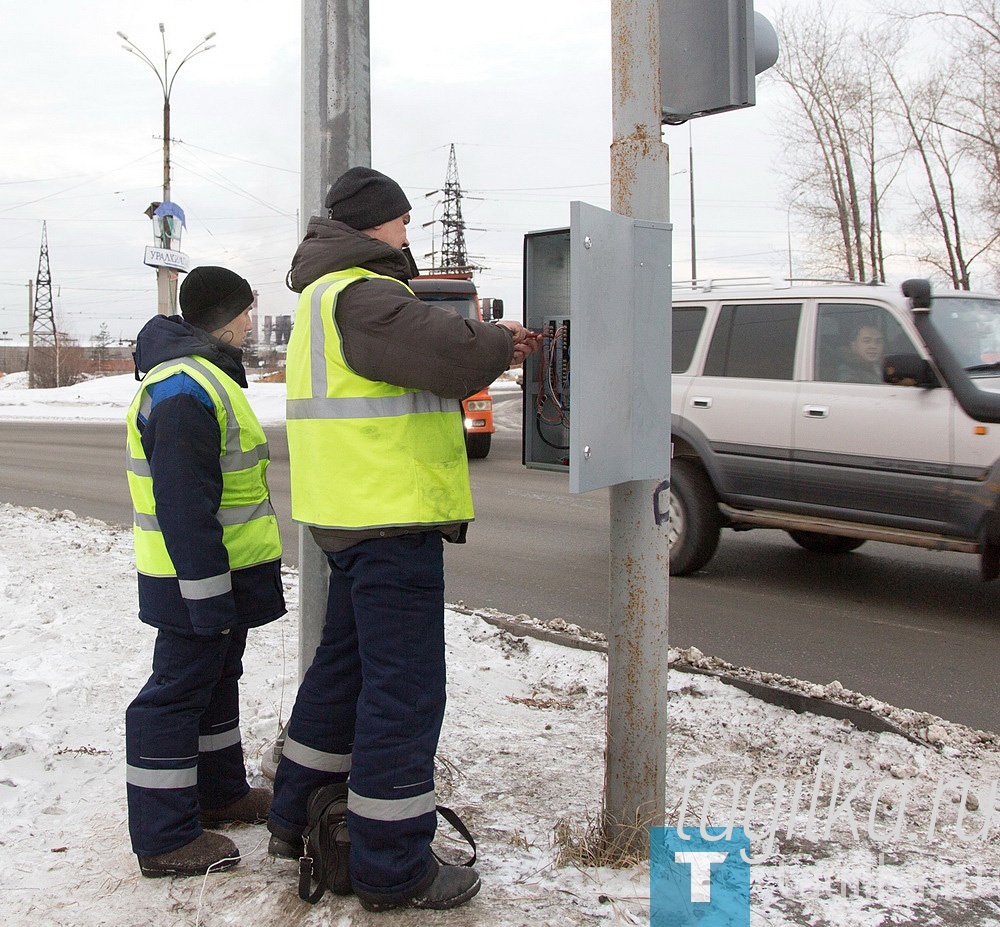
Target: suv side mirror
[
  {"x": 918, "y": 292},
  {"x": 496, "y": 309},
  {"x": 908, "y": 370}
]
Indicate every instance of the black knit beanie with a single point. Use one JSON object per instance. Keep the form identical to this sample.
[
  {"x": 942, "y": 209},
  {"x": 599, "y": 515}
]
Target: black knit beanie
[
  {"x": 211, "y": 297},
  {"x": 363, "y": 198}
]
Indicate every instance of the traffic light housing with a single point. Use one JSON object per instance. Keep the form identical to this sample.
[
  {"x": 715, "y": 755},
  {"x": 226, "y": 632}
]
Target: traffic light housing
[{"x": 710, "y": 54}]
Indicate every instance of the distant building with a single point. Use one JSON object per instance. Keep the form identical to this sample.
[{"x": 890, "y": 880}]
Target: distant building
[
  {"x": 277, "y": 329},
  {"x": 14, "y": 358}
]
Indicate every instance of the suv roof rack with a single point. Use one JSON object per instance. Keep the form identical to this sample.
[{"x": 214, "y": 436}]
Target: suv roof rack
[
  {"x": 711, "y": 283},
  {"x": 838, "y": 280}
]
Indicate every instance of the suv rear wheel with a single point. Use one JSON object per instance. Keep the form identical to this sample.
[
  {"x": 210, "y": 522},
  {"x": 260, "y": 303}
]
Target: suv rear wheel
[
  {"x": 825, "y": 543},
  {"x": 695, "y": 520}
]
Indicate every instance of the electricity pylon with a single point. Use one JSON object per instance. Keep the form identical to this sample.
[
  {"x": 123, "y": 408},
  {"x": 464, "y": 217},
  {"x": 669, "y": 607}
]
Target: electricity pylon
[
  {"x": 454, "y": 256},
  {"x": 43, "y": 338}
]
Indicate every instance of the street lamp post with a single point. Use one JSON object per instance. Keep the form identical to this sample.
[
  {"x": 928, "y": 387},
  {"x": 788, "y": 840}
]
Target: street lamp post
[
  {"x": 165, "y": 278},
  {"x": 432, "y": 224},
  {"x": 788, "y": 229}
]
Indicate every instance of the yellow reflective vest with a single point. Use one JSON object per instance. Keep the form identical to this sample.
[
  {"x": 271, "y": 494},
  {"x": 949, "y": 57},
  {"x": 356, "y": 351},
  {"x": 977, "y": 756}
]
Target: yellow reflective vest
[
  {"x": 249, "y": 525},
  {"x": 365, "y": 453}
]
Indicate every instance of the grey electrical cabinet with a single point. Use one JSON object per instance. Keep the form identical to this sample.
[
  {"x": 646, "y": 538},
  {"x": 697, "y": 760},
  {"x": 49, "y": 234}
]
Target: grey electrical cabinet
[{"x": 597, "y": 393}]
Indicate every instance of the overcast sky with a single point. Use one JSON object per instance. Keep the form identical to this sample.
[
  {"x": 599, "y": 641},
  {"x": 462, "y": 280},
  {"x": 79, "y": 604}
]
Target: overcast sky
[{"x": 522, "y": 88}]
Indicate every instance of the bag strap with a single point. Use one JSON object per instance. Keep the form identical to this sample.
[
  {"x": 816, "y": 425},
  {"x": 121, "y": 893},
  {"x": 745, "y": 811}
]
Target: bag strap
[
  {"x": 455, "y": 821},
  {"x": 305, "y": 881}
]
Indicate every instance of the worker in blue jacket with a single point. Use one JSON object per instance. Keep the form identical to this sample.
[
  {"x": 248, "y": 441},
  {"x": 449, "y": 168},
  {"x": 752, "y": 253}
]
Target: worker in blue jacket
[{"x": 208, "y": 556}]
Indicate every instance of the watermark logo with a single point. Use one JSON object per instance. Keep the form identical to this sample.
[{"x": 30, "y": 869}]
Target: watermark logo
[{"x": 699, "y": 878}]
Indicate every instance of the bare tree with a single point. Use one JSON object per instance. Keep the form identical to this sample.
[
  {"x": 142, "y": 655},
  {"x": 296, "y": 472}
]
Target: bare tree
[
  {"x": 841, "y": 162},
  {"x": 58, "y": 364},
  {"x": 100, "y": 350},
  {"x": 952, "y": 121},
  {"x": 940, "y": 163}
]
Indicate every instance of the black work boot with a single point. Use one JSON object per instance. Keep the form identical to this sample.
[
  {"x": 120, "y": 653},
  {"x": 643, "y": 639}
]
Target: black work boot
[
  {"x": 206, "y": 852},
  {"x": 284, "y": 843},
  {"x": 452, "y": 886},
  {"x": 252, "y": 808},
  {"x": 285, "y": 849}
]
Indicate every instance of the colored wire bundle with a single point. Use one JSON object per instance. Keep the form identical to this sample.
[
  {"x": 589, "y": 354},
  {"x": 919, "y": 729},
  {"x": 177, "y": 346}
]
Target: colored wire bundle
[{"x": 552, "y": 401}]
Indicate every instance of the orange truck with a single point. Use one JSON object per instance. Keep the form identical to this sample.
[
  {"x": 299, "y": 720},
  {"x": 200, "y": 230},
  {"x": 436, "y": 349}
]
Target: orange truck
[{"x": 458, "y": 292}]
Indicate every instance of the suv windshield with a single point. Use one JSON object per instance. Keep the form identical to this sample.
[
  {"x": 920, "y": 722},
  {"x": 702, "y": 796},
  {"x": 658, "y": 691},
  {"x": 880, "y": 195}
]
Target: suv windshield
[{"x": 971, "y": 327}]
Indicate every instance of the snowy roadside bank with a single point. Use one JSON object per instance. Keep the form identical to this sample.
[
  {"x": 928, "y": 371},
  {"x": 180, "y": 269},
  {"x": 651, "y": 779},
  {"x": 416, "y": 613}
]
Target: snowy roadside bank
[
  {"x": 847, "y": 827},
  {"x": 106, "y": 399}
]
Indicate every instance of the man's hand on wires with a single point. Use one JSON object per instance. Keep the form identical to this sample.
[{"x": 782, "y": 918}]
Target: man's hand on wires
[{"x": 526, "y": 341}]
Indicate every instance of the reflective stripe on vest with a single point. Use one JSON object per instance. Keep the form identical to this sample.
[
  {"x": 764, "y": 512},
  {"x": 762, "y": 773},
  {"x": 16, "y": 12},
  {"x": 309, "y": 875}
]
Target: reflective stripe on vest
[
  {"x": 369, "y": 406},
  {"x": 250, "y": 527},
  {"x": 366, "y": 453},
  {"x": 234, "y": 458}
]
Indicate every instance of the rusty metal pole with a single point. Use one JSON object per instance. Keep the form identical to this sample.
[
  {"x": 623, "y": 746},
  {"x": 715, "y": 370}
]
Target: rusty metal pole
[{"x": 635, "y": 771}]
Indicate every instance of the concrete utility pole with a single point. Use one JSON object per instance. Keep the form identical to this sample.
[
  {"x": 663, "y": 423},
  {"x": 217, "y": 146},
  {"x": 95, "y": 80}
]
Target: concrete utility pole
[
  {"x": 635, "y": 771},
  {"x": 336, "y": 135}
]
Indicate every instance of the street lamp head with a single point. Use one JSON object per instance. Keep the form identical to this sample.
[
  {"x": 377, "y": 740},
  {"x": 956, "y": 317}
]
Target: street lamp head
[
  {"x": 211, "y": 35},
  {"x": 161, "y": 28},
  {"x": 122, "y": 35}
]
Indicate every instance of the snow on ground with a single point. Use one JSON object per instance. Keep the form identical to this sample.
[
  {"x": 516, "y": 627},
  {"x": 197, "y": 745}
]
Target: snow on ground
[
  {"x": 847, "y": 827},
  {"x": 106, "y": 399}
]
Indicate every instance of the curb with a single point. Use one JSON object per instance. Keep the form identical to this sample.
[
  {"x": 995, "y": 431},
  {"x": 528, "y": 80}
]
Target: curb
[{"x": 861, "y": 718}]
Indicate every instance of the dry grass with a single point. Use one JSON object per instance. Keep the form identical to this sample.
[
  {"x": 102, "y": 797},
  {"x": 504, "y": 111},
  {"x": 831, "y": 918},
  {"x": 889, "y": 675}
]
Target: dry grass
[
  {"x": 590, "y": 843},
  {"x": 517, "y": 839}
]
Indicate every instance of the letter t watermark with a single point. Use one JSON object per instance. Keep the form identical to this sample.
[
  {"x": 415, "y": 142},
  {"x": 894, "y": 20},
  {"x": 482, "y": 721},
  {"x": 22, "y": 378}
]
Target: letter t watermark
[
  {"x": 701, "y": 872},
  {"x": 699, "y": 879}
]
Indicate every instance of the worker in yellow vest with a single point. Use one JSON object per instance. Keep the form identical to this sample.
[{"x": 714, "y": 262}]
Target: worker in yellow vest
[
  {"x": 380, "y": 476},
  {"x": 208, "y": 555}
]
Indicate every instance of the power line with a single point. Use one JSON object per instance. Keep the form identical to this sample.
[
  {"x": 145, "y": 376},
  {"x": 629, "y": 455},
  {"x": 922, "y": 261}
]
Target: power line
[{"x": 221, "y": 154}]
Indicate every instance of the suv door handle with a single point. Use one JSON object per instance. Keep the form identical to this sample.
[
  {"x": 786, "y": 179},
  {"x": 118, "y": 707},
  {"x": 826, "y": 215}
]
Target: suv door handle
[
  {"x": 815, "y": 411},
  {"x": 701, "y": 402}
]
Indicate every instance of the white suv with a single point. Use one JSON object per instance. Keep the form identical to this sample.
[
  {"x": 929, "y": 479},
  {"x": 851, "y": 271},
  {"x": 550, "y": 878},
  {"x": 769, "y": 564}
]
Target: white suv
[{"x": 820, "y": 410}]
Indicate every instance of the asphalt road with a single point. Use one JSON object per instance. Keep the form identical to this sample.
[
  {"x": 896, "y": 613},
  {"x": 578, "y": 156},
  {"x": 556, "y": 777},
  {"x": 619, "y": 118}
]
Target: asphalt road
[{"x": 912, "y": 627}]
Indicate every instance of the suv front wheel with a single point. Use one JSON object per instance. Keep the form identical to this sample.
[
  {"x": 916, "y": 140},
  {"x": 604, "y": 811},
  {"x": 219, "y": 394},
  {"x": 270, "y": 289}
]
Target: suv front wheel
[{"x": 695, "y": 520}]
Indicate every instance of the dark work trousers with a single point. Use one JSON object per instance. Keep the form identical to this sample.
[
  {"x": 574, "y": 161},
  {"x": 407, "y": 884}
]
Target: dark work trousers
[
  {"x": 370, "y": 707},
  {"x": 182, "y": 739}
]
